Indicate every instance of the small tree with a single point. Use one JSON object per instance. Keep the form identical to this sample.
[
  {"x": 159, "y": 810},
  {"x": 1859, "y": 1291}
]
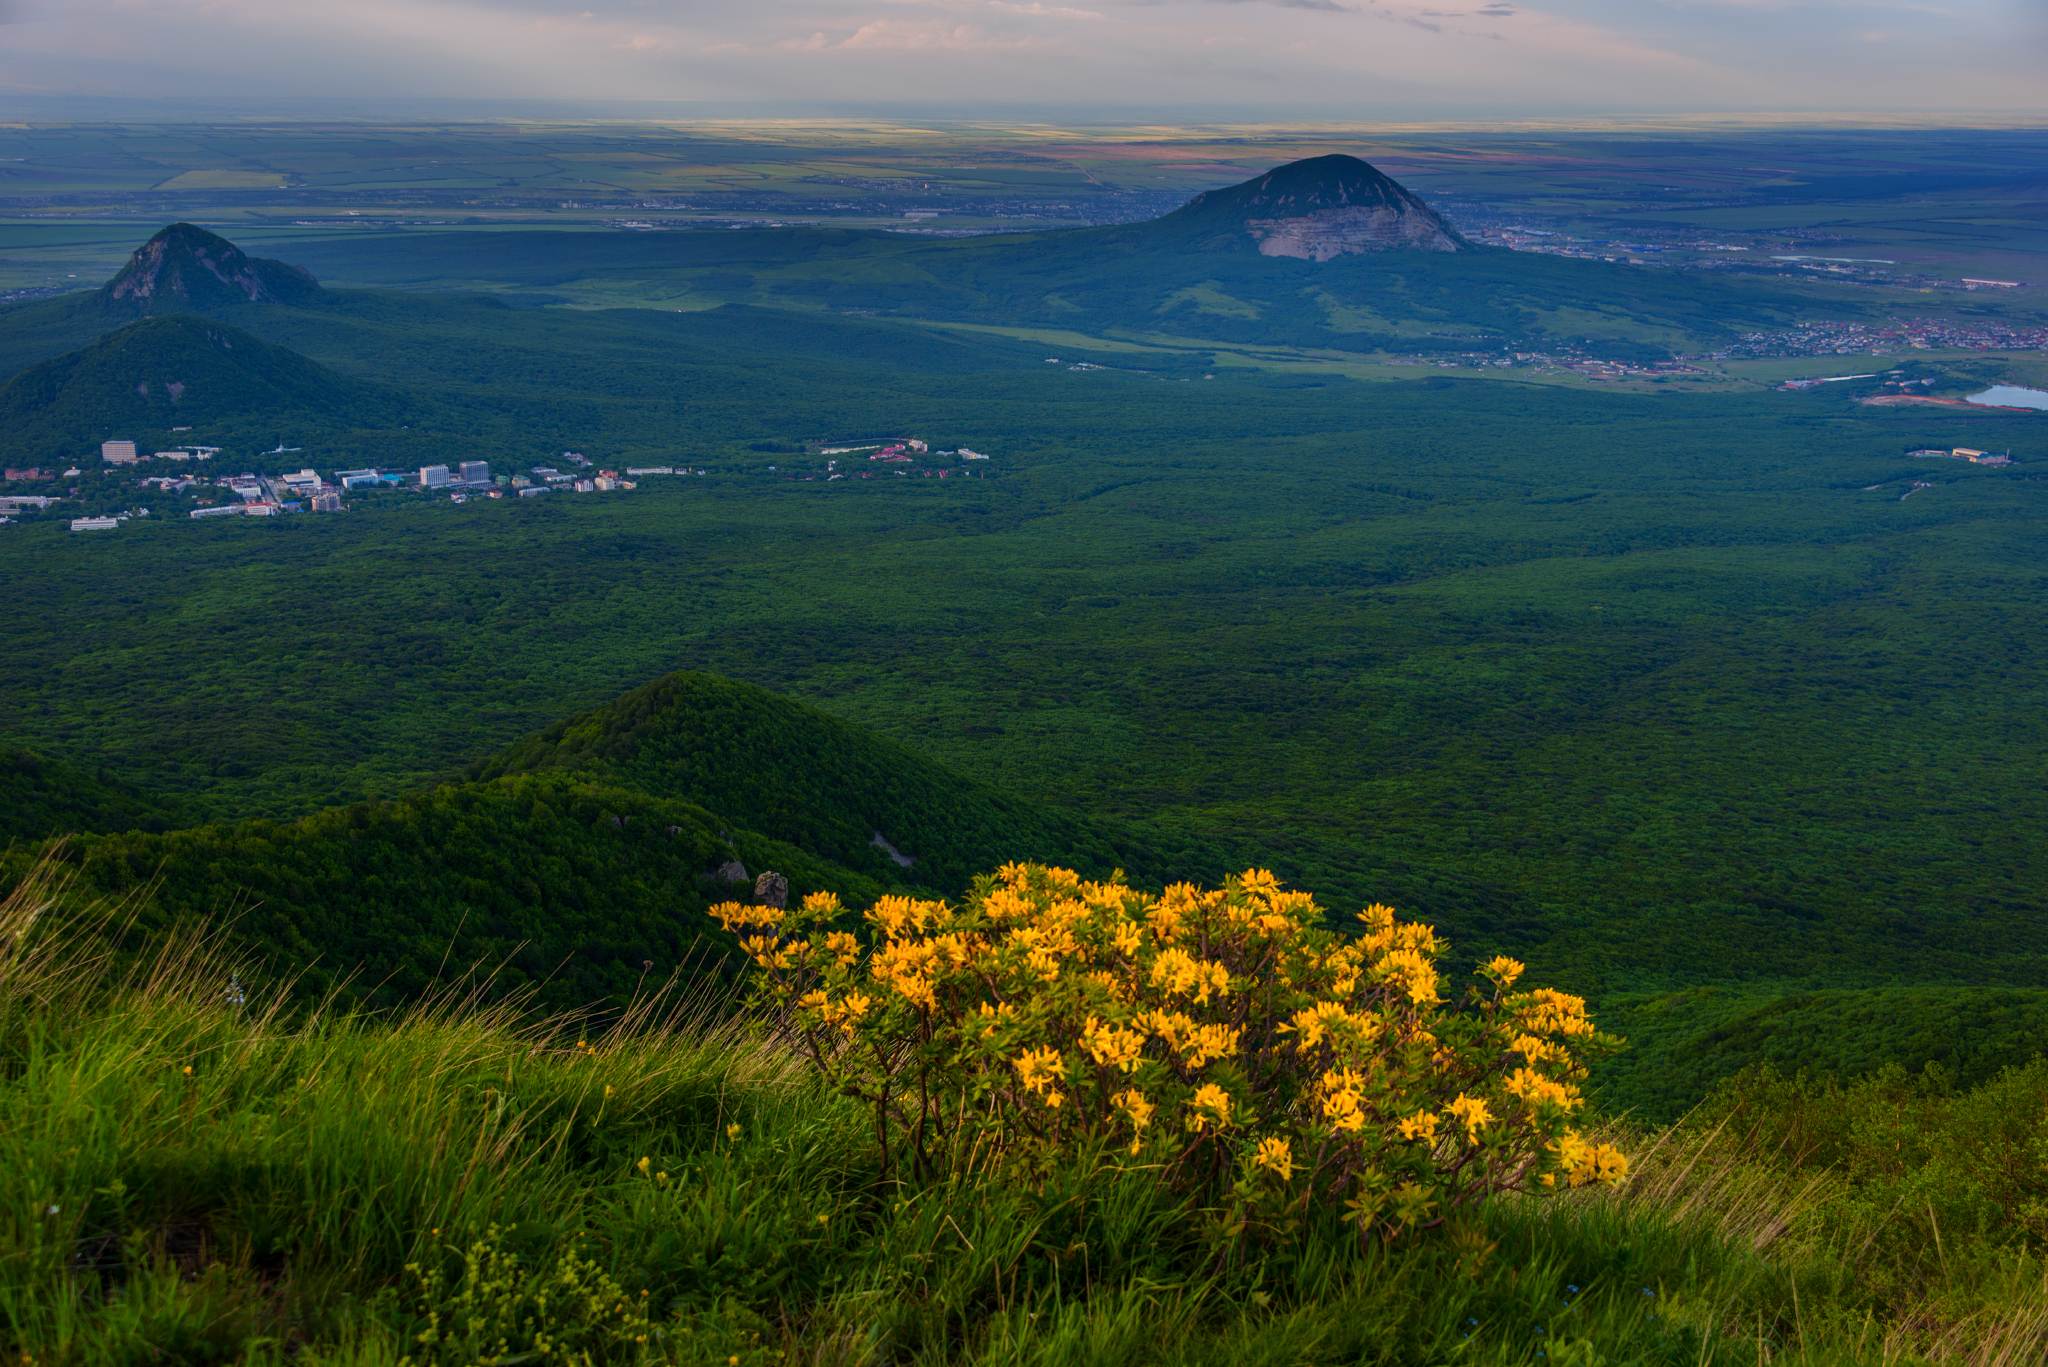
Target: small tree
[{"x": 1225, "y": 1036}]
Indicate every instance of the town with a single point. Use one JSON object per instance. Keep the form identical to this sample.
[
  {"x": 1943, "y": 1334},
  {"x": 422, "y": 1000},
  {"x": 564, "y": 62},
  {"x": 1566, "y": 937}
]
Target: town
[
  {"x": 107, "y": 498},
  {"x": 1889, "y": 338}
]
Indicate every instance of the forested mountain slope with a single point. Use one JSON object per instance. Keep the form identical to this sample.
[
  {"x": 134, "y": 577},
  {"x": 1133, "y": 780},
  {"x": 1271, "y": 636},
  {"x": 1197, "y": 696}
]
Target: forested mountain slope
[
  {"x": 798, "y": 773},
  {"x": 42, "y": 797},
  {"x": 573, "y": 888},
  {"x": 179, "y": 371}
]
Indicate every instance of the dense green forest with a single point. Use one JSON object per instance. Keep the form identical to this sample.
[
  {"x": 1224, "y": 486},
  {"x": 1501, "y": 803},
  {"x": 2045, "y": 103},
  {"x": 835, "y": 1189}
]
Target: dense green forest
[
  {"x": 1653, "y": 690},
  {"x": 40, "y": 798}
]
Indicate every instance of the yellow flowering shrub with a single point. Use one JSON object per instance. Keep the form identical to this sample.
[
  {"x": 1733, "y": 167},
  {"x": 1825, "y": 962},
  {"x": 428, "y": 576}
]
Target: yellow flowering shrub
[{"x": 1225, "y": 1036}]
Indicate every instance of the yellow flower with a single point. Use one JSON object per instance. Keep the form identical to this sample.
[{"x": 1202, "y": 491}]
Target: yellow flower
[
  {"x": 1344, "y": 1100},
  {"x": 1275, "y": 1156},
  {"x": 732, "y": 1131},
  {"x": 1505, "y": 970},
  {"x": 1313, "y": 1023},
  {"x": 1584, "y": 1163},
  {"x": 643, "y": 1166},
  {"x": 1259, "y": 881},
  {"x": 1039, "y": 1069},
  {"x": 1112, "y": 1046},
  {"x": 1211, "y": 1105},
  {"x": 1415, "y": 973},
  {"x": 1421, "y": 1125},
  {"x": 1472, "y": 1112},
  {"x": 1138, "y": 1110},
  {"x": 1210, "y": 1041},
  {"x": 1537, "y": 1090}
]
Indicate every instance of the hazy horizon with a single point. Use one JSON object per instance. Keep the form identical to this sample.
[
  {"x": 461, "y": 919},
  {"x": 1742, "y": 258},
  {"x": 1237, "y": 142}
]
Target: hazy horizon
[{"x": 1162, "y": 60}]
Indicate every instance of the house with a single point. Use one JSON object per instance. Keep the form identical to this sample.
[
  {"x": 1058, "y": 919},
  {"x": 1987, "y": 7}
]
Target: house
[
  {"x": 93, "y": 524},
  {"x": 30, "y": 473},
  {"x": 327, "y": 501},
  {"x": 966, "y": 454},
  {"x": 219, "y": 510},
  {"x": 118, "y": 452},
  {"x": 14, "y": 503},
  {"x": 434, "y": 476}
]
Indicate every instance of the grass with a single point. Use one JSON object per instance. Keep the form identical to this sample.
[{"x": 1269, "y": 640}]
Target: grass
[{"x": 190, "y": 1174}]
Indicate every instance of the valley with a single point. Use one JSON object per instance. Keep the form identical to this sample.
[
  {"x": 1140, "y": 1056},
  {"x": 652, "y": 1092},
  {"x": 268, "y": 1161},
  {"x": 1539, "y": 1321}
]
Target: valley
[{"x": 695, "y": 535}]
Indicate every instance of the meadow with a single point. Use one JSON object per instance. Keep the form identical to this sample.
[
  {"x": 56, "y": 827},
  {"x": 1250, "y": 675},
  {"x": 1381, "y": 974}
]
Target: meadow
[{"x": 197, "y": 1170}]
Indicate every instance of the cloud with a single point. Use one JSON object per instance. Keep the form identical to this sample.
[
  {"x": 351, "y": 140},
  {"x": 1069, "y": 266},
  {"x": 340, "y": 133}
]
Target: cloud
[{"x": 1620, "y": 53}]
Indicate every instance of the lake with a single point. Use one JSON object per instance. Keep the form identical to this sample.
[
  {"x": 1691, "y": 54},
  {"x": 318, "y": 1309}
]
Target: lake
[{"x": 2012, "y": 396}]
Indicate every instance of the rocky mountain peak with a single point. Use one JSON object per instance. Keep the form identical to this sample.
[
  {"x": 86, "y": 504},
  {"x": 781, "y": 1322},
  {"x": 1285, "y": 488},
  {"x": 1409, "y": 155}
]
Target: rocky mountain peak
[
  {"x": 1316, "y": 209},
  {"x": 186, "y": 269}
]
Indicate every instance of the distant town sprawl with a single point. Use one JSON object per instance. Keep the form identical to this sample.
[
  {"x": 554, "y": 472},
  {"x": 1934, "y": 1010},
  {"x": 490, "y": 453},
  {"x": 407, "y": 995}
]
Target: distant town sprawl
[
  {"x": 1888, "y": 338},
  {"x": 109, "y": 490}
]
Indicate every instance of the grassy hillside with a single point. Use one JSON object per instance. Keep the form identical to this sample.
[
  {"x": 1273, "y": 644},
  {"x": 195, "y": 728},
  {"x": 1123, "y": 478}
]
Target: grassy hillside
[
  {"x": 813, "y": 780},
  {"x": 200, "y": 1177}
]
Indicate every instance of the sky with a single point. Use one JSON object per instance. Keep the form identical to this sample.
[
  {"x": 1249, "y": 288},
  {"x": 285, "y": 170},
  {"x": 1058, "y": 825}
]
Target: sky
[{"x": 1431, "y": 58}]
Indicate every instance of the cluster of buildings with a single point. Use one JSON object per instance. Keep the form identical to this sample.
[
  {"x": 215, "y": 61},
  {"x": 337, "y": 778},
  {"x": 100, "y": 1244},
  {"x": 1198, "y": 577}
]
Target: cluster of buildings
[
  {"x": 124, "y": 453},
  {"x": 1890, "y": 337},
  {"x": 1969, "y": 454},
  {"x": 546, "y": 478}
]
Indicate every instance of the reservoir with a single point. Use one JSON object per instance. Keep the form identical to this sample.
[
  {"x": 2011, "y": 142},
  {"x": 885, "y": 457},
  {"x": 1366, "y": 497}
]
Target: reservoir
[{"x": 2012, "y": 396}]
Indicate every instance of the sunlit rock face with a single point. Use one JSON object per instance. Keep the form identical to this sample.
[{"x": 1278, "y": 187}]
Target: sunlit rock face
[{"x": 1353, "y": 228}]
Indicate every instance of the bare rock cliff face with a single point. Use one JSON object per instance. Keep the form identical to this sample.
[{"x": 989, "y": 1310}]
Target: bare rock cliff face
[{"x": 1354, "y": 228}]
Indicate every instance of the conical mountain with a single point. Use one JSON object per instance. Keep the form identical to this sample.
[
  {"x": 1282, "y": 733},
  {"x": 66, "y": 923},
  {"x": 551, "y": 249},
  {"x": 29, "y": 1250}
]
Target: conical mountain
[
  {"x": 186, "y": 269},
  {"x": 1314, "y": 209},
  {"x": 177, "y": 371}
]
